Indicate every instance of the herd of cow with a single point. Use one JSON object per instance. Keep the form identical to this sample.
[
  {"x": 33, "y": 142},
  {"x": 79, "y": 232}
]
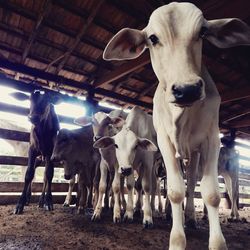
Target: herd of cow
[{"x": 183, "y": 131}]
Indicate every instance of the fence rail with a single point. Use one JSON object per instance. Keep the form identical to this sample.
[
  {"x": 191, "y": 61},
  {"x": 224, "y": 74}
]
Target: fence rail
[{"x": 9, "y": 190}]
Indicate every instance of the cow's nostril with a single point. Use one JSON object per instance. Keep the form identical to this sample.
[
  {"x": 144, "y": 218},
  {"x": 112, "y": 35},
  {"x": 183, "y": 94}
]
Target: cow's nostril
[
  {"x": 67, "y": 177},
  {"x": 126, "y": 171},
  {"x": 177, "y": 92}
]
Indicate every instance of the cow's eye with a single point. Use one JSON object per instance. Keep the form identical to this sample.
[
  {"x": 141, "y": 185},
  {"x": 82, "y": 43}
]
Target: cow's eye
[
  {"x": 116, "y": 145},
  {"x": 203, "y": 32},
  {"x": 154, "y": 39}
]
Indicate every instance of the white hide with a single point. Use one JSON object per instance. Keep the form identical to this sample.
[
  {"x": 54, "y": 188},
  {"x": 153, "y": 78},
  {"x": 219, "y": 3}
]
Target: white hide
[{"x": 187, "y": 130}]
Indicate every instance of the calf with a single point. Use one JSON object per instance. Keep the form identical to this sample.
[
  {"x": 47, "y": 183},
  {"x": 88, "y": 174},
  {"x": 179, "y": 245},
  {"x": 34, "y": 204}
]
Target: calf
[
  {"x": 104, "y": 125},
  {"x": 185, "y": 94},
  {"x": 75, "y": 149},
  {"x": 132, "y": 148},
  {"x": 45, "y": 126}
]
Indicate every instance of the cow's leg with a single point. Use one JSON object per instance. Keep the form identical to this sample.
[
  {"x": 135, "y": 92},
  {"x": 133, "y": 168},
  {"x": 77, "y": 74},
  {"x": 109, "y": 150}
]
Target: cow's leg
[
  {"x": 139, "y": 197},
  {"x": 123, "y": 200},
  {"x": 102, "y": 187},
  {"x": 231, "y": 186},
  {"x": 176, "y": 191},
  {"x": 153, "y": 191},
  {"x": 128, "y": 216},
  {"x": 116, "y": 190},
  {"x": 210, "y": 191},
  {"x": 82, "y": 196},
  {"x": 158, "y": 190},
  {"x": 190, "y": 219},
  {"x": 28, "y": 179},
  {"x": 49, "y": 172},
  {"x": 28, "y": 193},
  {"x": 96, "y": 185},
  {"x": 69, "y": 194},
  {"x": 235, "y": 195},
  {"x": 147, "y": 211}
]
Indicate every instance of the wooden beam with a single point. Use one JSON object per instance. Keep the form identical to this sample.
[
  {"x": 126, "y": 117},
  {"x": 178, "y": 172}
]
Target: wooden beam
[
  {"x": 14, "y": 135},
  {"x": 62, "y": 81},
  {"x": 13, "y": 160},
  {"x": 45, "y": 8},
  {"x": 7, "y": 5},
  {"x": 240, "y": 124},
  {"x": 235, "y": 94},
  {"x": 235, "y": 115},
  {"x": 147, "y": 90},
  {"x": 79, "y": 36},
  {"x": 123, "y": 70},
  {"x": 17, "y": 187},
  {"x": 25, "y": 111}
]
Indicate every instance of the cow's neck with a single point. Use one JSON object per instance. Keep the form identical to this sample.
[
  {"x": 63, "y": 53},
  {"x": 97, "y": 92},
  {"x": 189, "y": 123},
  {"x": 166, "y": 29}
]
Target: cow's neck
[{"x": 187, "y": 127}]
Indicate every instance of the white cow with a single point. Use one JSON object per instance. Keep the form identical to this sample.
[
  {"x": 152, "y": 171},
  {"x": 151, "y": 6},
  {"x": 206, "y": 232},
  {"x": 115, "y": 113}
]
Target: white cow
[
  {"x": 133, "y": 146},
  {"x": 104, "y": 125},
  {"x": 186, "y": 102}
]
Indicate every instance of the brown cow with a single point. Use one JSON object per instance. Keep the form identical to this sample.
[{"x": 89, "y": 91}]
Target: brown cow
[{"x": 45, "y": 126}]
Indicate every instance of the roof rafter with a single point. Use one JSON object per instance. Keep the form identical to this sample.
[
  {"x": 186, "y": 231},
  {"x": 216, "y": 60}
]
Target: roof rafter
[
  {"x": 45, "y": 9},
  {"x": 79, "y": 36}
]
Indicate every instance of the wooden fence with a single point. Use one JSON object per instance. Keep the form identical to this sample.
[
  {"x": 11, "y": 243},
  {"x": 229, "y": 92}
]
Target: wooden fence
[{"x": 10, "y": 191}]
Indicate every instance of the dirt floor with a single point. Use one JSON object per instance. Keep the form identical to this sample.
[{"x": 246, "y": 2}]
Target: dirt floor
[{"x": 63, "y": 229}]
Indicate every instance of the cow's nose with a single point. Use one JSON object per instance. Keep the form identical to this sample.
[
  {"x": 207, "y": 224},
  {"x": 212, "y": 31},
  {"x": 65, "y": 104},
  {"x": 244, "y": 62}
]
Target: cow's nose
[
  {"x": 187, "y": 94},
  {"x": 126, "y": 171},
  {"x": 67, "y": 176}
]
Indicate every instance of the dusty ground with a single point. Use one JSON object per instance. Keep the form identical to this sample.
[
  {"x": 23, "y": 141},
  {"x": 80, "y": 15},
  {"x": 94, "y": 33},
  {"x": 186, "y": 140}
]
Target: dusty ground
[{"x": 62, "y": 229}]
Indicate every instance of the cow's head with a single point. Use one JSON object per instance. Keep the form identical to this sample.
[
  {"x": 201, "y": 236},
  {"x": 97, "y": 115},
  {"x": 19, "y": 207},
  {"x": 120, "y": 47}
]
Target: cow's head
[
  {"x": 103, "y": 124},
  {"x": 64, "y": 152},
  {"x": 126, "y": 144},
  {"x": 174, "y": 37},
  {"x": 40, "y": 104}
]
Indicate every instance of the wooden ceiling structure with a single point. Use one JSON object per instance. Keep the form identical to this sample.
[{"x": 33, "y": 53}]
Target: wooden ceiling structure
[{"x": 58, "y": 44}]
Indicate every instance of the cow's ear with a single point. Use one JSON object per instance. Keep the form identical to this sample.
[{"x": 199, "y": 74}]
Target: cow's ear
[
  {"x": 104, "y": 142},
  {"x": 146, "y": 144},
  {"x": 126, "y": 44},
  {"x": 20, "y": 96},
  {"x": 228, "y": 32},
  {"x": 118, "y": 122},
  {"x": 83, "y": 121}
]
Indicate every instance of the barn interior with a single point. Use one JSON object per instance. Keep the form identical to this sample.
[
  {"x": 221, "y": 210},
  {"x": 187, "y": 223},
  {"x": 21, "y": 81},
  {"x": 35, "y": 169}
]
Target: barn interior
[{"x": 57, "y": 46}]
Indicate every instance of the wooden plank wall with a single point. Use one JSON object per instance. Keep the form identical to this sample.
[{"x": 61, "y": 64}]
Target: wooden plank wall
[{"x": 9, "y": 190}]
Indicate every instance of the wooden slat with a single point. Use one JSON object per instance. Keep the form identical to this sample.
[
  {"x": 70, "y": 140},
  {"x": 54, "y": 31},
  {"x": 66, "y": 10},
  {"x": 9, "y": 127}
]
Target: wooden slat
[
  {"x": 123, "y": 70},
  {"x": 13, "y": 160},
  {"x": 17, "y": 187},
  {"x": 244, "y": 176},
  {"x": 14, "y": 135},
  {"x": 12, "y": 199},
  {"x": 25, "y": 111}
]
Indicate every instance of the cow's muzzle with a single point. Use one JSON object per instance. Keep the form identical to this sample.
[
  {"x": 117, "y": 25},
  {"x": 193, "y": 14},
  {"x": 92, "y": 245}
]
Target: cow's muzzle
[
  {"x": 126, "y": 171},
  {"x": 67, "y": 177},
  {"x": 186, "y": 95}
]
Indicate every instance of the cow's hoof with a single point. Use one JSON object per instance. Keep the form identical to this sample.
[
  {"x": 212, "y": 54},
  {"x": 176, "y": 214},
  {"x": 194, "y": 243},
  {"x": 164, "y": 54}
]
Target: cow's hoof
[
  {"x": 48, "y": 207},
  {"x": 127, "y": 219},
  {"x": 96, "y": 217},
  {"x": 80, "y": 210},
  {"x": 147, "y": 225},
  {"x": 117, "y": 220},
  {"x": 18, "y": 209},
  {"x": 191, "y": 224},
  {"x": 89, "y": 211},
  {"x": 137, "y": 213},
  {"x": 65, "y": 204}
]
